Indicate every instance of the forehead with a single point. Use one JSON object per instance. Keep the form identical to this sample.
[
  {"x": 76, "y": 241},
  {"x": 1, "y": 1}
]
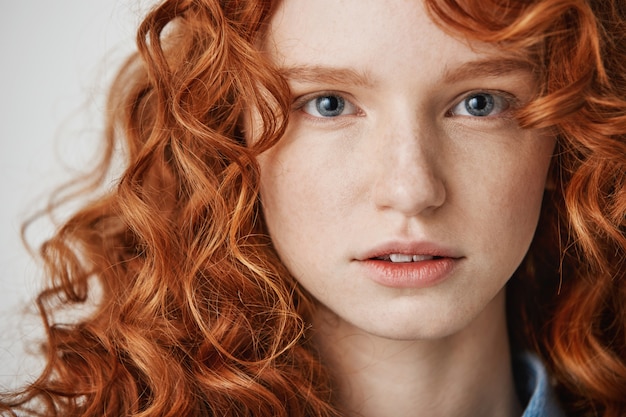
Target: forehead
[{"x": 373, "y": 35}]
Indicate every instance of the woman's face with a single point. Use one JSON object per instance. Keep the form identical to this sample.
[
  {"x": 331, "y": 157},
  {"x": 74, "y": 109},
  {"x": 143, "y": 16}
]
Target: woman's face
[{"x": 403, "y": 195}]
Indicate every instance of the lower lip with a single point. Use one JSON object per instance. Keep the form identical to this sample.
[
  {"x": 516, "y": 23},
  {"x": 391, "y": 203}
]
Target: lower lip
[{"x": 410, "y": 274}]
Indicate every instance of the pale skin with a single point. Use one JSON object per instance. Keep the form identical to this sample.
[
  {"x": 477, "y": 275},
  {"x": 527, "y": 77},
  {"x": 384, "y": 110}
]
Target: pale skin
[{"x": 401, "y": 147}]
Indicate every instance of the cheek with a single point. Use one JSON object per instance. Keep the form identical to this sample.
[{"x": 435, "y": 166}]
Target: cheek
[
  {"x": 527, "y": 178},
  {"x": 287, "y": 191},
  {"x": 305, "y": 185},
  {"x": 291, "y": 199},
  {"x": 307, "y": 196},
  {"x": 513, "y": 202}
]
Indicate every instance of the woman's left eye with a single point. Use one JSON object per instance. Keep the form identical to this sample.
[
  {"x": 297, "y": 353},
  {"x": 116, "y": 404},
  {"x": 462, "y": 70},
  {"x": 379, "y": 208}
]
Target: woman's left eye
[
  {"x": 482, "y": 104},
  {"x": 328, "y": 105}
]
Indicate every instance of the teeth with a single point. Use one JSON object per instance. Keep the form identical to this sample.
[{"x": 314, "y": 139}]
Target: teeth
[{"x": 399, "y": 257}]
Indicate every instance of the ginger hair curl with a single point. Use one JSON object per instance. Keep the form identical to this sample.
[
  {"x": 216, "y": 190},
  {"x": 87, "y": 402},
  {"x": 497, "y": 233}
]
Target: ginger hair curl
[
  {"x": 567, "y": 301},
  {"x": 196, "y": 316}
]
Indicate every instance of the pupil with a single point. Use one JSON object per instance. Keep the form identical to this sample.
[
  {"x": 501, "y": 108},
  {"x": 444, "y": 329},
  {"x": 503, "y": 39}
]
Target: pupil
[
  {"x": 479, "y": 105},
  {"x": 329, "y": 106}
]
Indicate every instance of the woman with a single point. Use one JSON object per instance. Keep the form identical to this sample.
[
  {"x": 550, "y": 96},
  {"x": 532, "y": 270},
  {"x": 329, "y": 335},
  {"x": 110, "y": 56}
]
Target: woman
[{"x": 353, "y": 208}]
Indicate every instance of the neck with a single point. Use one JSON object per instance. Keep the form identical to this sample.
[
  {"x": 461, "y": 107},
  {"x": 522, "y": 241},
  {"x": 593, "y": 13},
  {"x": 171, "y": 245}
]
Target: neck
[{"x": 465, "y": 374}]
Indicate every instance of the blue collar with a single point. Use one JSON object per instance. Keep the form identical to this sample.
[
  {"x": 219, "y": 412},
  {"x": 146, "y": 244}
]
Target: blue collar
[{"x": 534, "y": 388}]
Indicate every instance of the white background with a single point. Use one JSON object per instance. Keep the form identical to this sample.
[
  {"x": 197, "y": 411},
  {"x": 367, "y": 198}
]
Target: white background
[{"x": 57, "y": 58}]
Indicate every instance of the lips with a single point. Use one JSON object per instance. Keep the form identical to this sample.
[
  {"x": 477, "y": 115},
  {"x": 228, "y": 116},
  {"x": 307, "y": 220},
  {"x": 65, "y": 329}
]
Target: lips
[{"x": 409, "y": 264}]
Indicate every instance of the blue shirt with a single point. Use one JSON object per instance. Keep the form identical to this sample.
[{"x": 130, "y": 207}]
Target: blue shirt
[{"x": 534, "y": 388}]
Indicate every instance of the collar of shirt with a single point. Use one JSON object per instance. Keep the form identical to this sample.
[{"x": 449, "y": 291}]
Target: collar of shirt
[{"x": 534, "y": 388}]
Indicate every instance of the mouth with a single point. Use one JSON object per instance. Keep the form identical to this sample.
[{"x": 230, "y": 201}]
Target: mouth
[
  {"x": 408, "y": 252},
  {"x": 409, "y": 264},
  {"x": 404, "y": 258}
]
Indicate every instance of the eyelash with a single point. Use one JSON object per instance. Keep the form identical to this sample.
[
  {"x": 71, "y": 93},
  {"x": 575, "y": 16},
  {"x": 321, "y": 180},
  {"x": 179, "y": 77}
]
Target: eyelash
[{"x": 500, "y": 101}]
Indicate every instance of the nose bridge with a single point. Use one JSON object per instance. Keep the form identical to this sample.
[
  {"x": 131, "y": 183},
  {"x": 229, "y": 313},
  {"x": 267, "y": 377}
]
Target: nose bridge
[{"x": 409, "y": 178}]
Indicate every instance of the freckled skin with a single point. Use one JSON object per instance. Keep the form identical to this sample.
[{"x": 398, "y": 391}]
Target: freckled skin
[
  {"x": 401, "y": 137},
  {"x": 404, "y": 161}
]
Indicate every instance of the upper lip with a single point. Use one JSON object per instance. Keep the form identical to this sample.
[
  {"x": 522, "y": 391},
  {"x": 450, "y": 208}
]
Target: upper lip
[{"x": 408, "y": 248}]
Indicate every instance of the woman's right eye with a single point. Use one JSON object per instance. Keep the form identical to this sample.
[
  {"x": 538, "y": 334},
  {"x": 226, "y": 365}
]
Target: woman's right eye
[{"x": 328, "y": 106}]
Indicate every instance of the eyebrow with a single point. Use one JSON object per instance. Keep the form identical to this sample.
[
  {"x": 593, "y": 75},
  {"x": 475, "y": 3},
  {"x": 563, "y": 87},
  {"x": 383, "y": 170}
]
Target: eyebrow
[
  {"x": 485, "y": 69},
  {"x": 322, "y": 74}
]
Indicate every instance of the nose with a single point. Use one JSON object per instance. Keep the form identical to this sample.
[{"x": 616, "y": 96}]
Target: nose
[{"x": 408, "y": 179}]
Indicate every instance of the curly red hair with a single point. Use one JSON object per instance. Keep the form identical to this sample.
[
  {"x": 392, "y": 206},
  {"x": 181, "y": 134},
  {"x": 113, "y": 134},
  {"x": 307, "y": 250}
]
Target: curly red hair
[{"x": 194, "y": 313}]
